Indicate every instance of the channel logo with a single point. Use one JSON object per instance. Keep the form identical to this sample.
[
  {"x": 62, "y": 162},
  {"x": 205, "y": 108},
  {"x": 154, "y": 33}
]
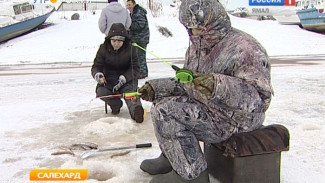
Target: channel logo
[
  {"x": 272, "y": 2},
  {"x": 42, "y": 1}
]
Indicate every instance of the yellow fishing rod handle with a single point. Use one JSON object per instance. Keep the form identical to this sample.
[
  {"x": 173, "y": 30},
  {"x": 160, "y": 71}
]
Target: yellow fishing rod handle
[{"x": 130, "y": 94}]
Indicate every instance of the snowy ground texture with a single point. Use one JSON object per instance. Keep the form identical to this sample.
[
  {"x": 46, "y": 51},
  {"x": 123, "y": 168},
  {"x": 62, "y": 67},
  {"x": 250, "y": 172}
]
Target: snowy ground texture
[{"x": 46, "y": 99}]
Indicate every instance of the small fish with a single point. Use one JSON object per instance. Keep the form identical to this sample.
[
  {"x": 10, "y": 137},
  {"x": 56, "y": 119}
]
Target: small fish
[
  {"x": 120, "y": 154},
  {"x": 84, "y": 146},
  {"x": 63, "y": 152}
]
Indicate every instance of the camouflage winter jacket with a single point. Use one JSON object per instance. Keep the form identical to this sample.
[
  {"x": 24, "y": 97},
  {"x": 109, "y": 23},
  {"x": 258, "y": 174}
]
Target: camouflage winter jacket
[
  {"x": 139, "y": 29},
  {"x": 239, "y": 64}
]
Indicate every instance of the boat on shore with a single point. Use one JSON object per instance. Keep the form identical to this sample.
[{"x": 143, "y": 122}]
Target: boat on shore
[
  {"x": 288, "y": 15},
  {"x": 240, "y": 12},
  {"x": 288, "y": 18},
  {"x": 17, "y": 18},
  {"x": 313, "y": 18}
]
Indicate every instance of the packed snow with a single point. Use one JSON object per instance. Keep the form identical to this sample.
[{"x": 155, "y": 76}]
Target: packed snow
[{"x": 47, "y": 98}]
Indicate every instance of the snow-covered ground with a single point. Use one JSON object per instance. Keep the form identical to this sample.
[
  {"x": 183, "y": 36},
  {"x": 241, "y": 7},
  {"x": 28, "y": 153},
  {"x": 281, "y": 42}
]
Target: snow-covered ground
[{"x": 47, "y": 99}]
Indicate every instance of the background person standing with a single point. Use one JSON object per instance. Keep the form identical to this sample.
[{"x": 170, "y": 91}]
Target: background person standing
[
  {"x": 113, "y": 13},
  {"x": 139, "y": 33}
]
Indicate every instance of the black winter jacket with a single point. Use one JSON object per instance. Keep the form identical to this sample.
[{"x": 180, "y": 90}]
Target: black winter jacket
[{"x": 115, "y": 63}]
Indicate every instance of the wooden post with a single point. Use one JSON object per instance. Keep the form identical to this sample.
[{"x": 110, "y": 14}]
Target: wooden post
[{"x": 150, "y": 4}]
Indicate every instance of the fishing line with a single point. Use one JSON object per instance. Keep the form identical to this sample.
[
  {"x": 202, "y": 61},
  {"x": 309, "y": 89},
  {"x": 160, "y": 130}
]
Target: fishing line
[{"x": 182, "y": 75}]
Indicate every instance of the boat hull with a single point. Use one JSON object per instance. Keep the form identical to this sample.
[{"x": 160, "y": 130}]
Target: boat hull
[
  {"x": 312, "y": 20},
  {"x": 288, "y": 19},
  {"x": 320, "y": 27},
  {"x": 17, "y": 29}
]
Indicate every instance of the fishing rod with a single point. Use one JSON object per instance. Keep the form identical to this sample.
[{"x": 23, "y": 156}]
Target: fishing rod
[
  {"x": 127, "y": 95},
  {"x": 182, "y": 75}
]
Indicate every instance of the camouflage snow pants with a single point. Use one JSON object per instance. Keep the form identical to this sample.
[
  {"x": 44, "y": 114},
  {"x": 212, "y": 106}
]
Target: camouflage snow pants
[
  {"x": 142, "y": 60},
  {"x": 180, "y": 123}
]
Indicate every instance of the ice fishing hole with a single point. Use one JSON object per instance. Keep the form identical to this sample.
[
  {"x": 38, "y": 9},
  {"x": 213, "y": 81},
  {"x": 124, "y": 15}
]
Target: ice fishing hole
[{"x": 101, "y": 175}]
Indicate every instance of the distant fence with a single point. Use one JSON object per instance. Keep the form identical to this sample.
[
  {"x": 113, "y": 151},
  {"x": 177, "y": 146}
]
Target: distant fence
[
  {"x": 155, "y": 7},
  {"x": 82, "y": 6}
]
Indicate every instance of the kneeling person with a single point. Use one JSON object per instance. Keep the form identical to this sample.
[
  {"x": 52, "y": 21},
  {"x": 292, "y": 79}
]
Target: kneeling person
[{"x": 115, "y": 69}]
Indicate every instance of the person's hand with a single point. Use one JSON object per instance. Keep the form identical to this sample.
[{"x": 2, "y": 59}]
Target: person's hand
[
  {"x": 147, "y": 92},
  {"x": 121, "y": 81},
  {"x": 204, "y": 83},
  {"x": 100, "y": 78}
]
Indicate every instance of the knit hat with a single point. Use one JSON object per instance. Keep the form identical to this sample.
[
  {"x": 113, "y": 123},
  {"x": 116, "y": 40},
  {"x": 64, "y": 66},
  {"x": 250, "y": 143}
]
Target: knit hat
[
  {"x": 109, "y": 1},
  {"x": 118, "y": 32}
]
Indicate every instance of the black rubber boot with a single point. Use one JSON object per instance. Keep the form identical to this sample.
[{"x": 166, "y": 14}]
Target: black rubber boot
[
  {"x": 138, "y": 114},
  {"x": 115, "y": 105},
  {"x": 173, "y": 177},
  {"x": 115, "y": 111},
  {"x": 156, "y": 166}
]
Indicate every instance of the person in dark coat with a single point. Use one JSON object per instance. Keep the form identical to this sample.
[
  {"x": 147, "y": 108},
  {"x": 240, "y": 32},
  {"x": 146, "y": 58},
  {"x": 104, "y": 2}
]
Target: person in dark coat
[
  {"x": 115, "y": 68},
  {"x": 139, "y": 33},
  {"x": 229, "y": 94}
]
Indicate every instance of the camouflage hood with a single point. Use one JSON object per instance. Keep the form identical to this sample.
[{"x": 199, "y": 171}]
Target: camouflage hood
[{"x": 208, "y": 15}]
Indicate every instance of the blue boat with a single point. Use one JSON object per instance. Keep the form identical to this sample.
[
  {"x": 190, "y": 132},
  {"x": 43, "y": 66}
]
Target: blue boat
[
  {"x": 312, "y": 19},
  {"x": 21, "y": 18}
]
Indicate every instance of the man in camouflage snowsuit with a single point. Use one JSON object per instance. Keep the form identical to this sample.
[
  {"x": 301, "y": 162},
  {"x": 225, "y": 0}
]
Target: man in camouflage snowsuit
[
  {"x": 230, "y": 93},
  {"x": 139, "y": 33}
]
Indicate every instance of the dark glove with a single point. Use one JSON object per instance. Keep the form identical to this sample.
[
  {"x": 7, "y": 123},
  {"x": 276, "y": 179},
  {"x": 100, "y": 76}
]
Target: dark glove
[
  {"x": 121, "y": 81},
  {"x": 204, "y": 83},
  {"x": 100, "y": 78},
  {"x": 147, "y": 92}
]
